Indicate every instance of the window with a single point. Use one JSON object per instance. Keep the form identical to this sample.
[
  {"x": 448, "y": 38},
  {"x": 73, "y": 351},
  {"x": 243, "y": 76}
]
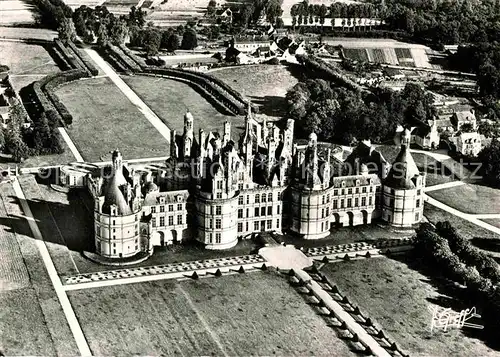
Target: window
[
  {"x": 357, "y": 189},
  {"x": 218, "y": 210},
  {"x": 370, "y": 200},
  {"x": 363, "y": 201},
  {"x": 114, "y": 229},
  {"x": 278, "y": 209},
  {"x": 211, "y": 223},
  {"x": 219, "y": 195},
  {"x": 322, "y": 213},
  {"x": 248, "y": 214},
  {"x": 179, "y": 219},
  {"x": 256, "y": 225},
  {"x": 335, "y": 192},
  {"x": 162, "y": 208},
  {"x": 269, "y": 197},
  {"x": 349, "y": 202},
  {"x": 418, "y": 192},
  {"x": 114, "y": 222},
  {"x": 240, "y": 227},
  {"x": 257, "y": 198},
  {"x": 256, "y": 214},
  {"x": 246, "y": 225},
  {"x": 114, "y": 244},
  {"x": 342, "y": 203},
  {"x": 263, "y": 197},
  {"x": 327, "y": 211},
  {"x": 217, "y": 237},
  {"x": 323, "y": 199},
  {"x": 279, "y": 196},
  {"x": 162, "y": 221},
  {"x": 248, "y": 199},
  {"x": 363, "y": 189},
  {"x": 356, "y": 202},
  {"x": 114, "y": 251},
  {"x": 335, "y": 204},
  {"x": 270, "y": 210},
  {"x": 240, "y": 213},
  {"x": 269, "y": 224},
  {"x": 240, "y": 186},
  {"x": 179, "y": 206},
  {"x": 170, "y": 208},
  {"x": 278, "y": 223},
  {"x": 328, "y": 198},
  {"x": 343, "y": 191},
  {"x": 418, "y": 203},
  {"x": 240, "y": 200},
  {"x": 219, "y": 184},
  {"x": 153, "y": 221},
  {"x": 218, "y": 223},
  {"x": 153, "y": 209},
  {"x": 170, "y": 220},
  {"x": 417, "y": 217},
  {"x": 263, "y": 211},
  {"x": 349, "y": 191}
]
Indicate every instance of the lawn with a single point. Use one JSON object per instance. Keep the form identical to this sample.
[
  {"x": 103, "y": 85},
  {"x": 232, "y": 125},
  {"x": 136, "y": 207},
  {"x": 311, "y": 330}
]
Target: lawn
[
  {"x": 16, "y": 12},
  {"x": 493, "y": 221},
  {"x": 469, "y": 198},
  {"x": 23, "y": 330},
  {"x": 27, "y": 62},
  {"x": 256, "y": 313},
  {"x": 470, "y": 230},
  {"x": 104, "y": 119},
  {"x": 396, "y": 295},
  {"x": 346, "y": 235},
  {"x": 170, "y": 100},
  {"x": 265, "y": 85}
]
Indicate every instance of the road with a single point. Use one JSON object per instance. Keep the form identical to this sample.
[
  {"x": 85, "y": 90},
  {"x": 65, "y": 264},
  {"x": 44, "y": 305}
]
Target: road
[
  {"x": 74, "y": 326},
  {"x": 130, "y": 94},
  {"x": 71, "y": 145}
]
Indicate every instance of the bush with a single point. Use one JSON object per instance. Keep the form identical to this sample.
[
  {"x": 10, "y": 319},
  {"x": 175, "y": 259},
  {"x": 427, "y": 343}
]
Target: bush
[{"x": 88, "y": 64}]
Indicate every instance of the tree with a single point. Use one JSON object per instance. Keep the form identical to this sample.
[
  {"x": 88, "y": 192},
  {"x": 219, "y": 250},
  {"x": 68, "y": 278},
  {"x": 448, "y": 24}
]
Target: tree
[
  {"x": 118, "y": 32},
  {"x": 273, "y": 10},
  {"x": 189, "y": 39},
  {"x": 152, "y": 41},
  {"x": 102, "y": 35},
  {"x": 2, "y": 138},
  {"x": 66, "y": 30},
  {"x": 490, "y": 159},
  {"x": 212, "y": 4},
  {"x": 467, "y": 128},
  {"x": 41, "y": 133},
  {"x": 136, "y": 17}
]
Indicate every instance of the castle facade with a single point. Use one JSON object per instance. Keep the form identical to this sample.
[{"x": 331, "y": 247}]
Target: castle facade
[{"x": 217, "y": 189}]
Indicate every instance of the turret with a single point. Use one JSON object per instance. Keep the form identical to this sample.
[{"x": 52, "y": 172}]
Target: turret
[{"x": 227, "y": 133}]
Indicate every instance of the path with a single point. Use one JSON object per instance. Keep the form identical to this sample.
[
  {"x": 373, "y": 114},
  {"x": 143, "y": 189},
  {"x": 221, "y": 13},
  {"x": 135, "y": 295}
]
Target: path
[
  {"x": 74, "y": 326},
  {"x": 130, "y": 94},
  {"x": 71, "y": 145},
  {"x": 444, "y": 185}
]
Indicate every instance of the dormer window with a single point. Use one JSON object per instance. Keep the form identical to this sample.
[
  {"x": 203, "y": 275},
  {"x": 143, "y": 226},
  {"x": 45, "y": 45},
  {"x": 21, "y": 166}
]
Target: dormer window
[
  {"x": 179, "y": 198},
  {"x": 357, "y": 182},
  {"x": 343, "y": 183}
]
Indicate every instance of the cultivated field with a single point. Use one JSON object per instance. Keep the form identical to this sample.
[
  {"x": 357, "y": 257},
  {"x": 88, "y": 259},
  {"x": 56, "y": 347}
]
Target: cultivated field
[
  {"x": 468, "y": 229},
  {"x": 104, "y": 119},
  {"x": 265, "y": 85},
  {"x": 396, "y": 295},
  {"x": 213, "y": 316},
  {"x": 469, "y": 198},
  {"x": 27, "y": 62},
  {"x": 171, "y": 99}
]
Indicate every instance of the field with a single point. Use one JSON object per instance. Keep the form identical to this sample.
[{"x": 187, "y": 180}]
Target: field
[
  {"x": 16, "y": 12},
  {"x": 27, "y": 62},
  {"x": 213, "y": 316},
  {"x": 470, "y": 230},
  {"x": 265, "y": 85},
  {"x": 171, "y": 99},
  {"x": 396, "y": 295},
  {"x": 104, "y": 119},
  {"x": 469, "y": 198},
  {"x": 493, "y": 221}
]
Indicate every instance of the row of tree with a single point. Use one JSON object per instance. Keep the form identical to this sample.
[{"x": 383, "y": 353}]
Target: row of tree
[
  {"x": 51, "y": 13},
  {"x": 452, "y": 254},
  {"x": 343, "y": 115},
  {"x": 171, "y": 39},
  {"x": 251, "y": 13}
]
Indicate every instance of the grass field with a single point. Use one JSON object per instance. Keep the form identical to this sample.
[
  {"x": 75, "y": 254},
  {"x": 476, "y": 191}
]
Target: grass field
[
  {"x": 104, "y": 119},
  {"x": 470, "y": 198},
  {"x": 170, "y": 99},
  {"x": 265, "y": 85},
  {"x": 16, "y": 12},
  {"x": 213, "y": 316},
  {"x": 493, "y": 221},
  {"x": 470, "y": 230},
  {"x": 396, "y": 296},
  {"x": 27, "y": 62}
]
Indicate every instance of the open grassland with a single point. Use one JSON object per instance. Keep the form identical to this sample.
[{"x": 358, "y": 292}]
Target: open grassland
[
  {"x": 27, "y": 62},
  {"x": 396, "y": 295},
  {"x": 265, "y": 85},
  {"x": 170, "y": 100},
  {"x": 470, "y": 198},
  {"x": 256, "y": 313},
  {"x": 104, "y": 120},
  {"x": 468, "y": 229}
]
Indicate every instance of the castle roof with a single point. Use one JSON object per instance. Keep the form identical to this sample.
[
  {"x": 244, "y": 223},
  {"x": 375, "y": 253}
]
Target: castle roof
[
  {"x": 113, "y": 195},
  {"x": 403, "y": 170}
]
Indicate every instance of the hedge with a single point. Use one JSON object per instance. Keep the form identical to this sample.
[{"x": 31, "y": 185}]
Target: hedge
[
  {"x": 129, "y": 62},
  {"x": 140, "y": 62},
  {"x": 73, "y": 60},
  {"x": 88, "y": 64}
]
